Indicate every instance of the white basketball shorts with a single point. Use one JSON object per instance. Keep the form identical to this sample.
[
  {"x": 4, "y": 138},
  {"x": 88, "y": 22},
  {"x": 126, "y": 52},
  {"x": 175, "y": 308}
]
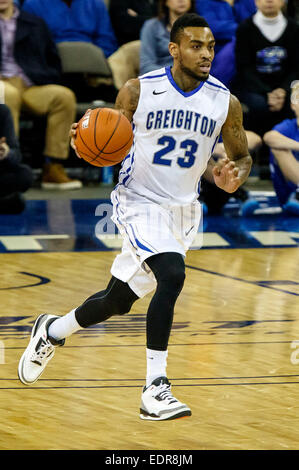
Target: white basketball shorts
[{"x": 148, "y": 229}]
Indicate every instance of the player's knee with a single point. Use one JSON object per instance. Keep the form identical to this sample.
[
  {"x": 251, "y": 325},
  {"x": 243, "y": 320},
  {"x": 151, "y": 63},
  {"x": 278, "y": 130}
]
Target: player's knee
[
  {"x": 169, "y": 270},
  {"x": 119, "y": 306},
  {"x": 120, "y": 298},
  {"x": 124, "y": 307},
  {"x": 174, "y": 277}
]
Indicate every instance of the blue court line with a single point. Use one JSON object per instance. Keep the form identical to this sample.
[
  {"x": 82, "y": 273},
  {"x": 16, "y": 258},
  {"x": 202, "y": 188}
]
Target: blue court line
[
  {"x": 255, "y": 283},
  {"x": 42, "y": 280}
]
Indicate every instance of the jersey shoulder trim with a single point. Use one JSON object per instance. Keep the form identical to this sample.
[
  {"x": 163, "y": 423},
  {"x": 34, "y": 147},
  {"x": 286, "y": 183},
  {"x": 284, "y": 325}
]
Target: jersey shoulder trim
[
  {"x": 154, "y": 74},
  {"x": 214, "y": 82}
]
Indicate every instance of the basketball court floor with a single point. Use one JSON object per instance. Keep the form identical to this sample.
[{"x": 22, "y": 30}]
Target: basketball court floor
[{"x": 234, "y": 348}]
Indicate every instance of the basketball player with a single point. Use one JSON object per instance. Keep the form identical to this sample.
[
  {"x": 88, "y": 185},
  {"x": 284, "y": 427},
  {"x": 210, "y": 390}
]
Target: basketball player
[{"x": 177, "y": 115}]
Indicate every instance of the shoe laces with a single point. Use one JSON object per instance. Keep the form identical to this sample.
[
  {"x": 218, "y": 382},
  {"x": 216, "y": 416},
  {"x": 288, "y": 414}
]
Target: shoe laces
[
  {"x": 163, "y": 392},
  {"x": 42, "y": 353}
]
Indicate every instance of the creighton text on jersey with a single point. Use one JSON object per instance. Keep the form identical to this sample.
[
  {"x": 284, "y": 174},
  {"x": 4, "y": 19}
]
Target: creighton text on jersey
[{"x": 179, "y": 118}]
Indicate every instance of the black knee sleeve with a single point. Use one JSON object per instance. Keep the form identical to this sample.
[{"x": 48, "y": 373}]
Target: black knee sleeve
[
  {"x": 116, "y": 299},
  {"x": 169, "y": 270}
]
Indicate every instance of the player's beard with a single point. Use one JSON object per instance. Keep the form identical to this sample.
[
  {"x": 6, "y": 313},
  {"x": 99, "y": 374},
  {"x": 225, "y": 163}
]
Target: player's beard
[{"x": 192, "y": 74}]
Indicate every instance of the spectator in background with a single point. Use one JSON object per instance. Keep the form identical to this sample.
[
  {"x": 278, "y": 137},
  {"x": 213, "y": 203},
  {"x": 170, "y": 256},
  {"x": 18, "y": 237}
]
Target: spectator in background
[
  {"x": 80, "y": 21},
  {"x": 127, "y": 17},
  {"x": 155, "y": 34},
  {"x": 76, "y": 20},
  {"x": 30, "y": 70},
  {"x": 283, "y": 140},
  {"x": 15, "y": 178},
  {"x": 267, "y": 57},
  {"x": 223, "y": 17}
]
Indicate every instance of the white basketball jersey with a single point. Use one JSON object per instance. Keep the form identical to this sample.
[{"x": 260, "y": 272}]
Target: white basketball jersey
[{"x": 175, "y": 133}]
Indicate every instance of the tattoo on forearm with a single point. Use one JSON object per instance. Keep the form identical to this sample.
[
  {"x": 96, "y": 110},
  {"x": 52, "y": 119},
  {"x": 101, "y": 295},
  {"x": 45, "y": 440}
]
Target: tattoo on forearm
[
  {"x": 236, "y": 127},
  {"x": 238, "y": 132},
  {"x": 233, "y": 133}
]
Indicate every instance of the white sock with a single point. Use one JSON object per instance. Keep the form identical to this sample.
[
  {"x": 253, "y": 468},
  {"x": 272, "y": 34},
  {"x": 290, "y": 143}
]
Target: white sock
[
  {"x": 64, "y": 326},
  {"x": 156, "y": 365}
]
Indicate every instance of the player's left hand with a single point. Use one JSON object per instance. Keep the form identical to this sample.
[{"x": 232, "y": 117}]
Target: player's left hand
[{"x": 226, "y": 175}]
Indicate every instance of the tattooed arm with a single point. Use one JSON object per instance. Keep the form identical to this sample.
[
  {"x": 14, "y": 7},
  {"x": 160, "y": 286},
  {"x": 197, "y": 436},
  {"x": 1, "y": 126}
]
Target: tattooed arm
[
  {"x": 231, "y": 172},
  {"x": 128, "y": 97}
]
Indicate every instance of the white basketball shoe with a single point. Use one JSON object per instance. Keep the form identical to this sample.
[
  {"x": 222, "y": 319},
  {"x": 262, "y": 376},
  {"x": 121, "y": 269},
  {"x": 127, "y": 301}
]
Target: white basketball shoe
[
  {"x": 39, "y": 351},
  {"x": 158, "y": 403}
]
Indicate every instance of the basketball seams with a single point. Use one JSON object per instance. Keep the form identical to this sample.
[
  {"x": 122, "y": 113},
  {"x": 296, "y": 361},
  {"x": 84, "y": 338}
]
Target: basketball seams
[
  {"x": 95, "y": 129},
  {"x": 120, "y": 148},
  {"x": 79, "y": 128},
  {"x": 88, "y": 158},
  {"x": 120, "y": 130},
  {"x": 112, "y": 134}
]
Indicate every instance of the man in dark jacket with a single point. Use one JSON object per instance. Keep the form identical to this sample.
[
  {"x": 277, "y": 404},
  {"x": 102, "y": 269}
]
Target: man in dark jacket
[
  {"x": 15, "y": 178},
  {"x": 30, "y": 69},
  {"x": 128, "y": 16}
]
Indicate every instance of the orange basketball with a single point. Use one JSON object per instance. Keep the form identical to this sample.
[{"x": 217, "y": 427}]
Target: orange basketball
[{"x": 104, "y": 137}]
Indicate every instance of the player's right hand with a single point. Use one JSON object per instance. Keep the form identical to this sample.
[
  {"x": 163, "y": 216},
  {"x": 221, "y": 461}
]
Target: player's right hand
[{"x": 72, "y": 134}]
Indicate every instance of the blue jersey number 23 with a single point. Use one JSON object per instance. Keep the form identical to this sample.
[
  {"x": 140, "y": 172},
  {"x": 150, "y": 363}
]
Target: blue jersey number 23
[{"x": 169, "y": 143}]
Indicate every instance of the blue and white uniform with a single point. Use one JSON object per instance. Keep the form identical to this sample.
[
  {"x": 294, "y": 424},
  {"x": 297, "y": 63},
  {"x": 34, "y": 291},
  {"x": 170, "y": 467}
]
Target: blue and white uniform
[{"x": 155, "y": 204}]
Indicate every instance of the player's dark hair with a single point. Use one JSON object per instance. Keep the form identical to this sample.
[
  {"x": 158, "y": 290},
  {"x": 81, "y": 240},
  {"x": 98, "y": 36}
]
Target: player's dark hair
[
  {"x": 188, "y": 19},
  {"x": 163, "y": 10}
]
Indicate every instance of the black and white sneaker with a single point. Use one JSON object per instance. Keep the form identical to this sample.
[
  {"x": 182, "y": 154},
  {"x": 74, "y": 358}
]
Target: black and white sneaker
[
  {"x": 158, "y": 403},
  {"x": 39, "y": 351}
]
